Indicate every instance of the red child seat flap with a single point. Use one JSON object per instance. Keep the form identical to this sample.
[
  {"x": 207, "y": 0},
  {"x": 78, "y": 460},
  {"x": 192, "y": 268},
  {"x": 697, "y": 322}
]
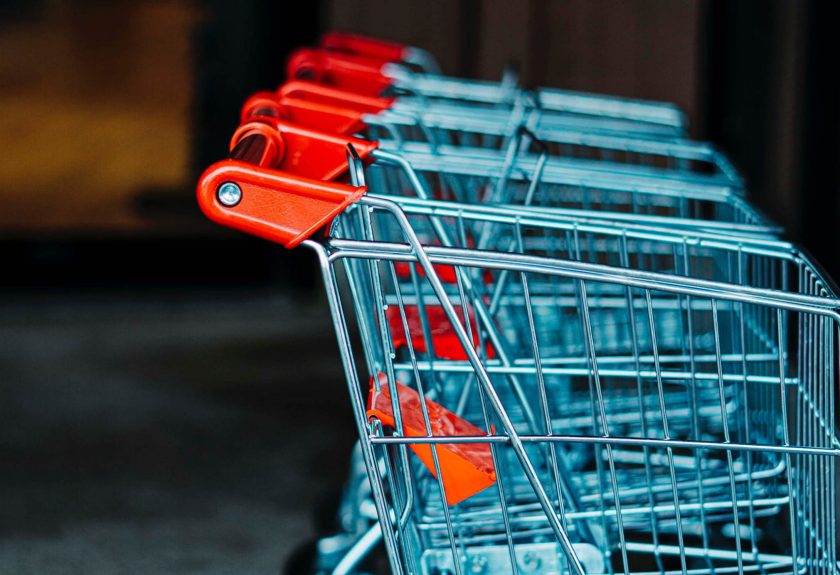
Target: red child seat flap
[{"x": 466, "y": 468}]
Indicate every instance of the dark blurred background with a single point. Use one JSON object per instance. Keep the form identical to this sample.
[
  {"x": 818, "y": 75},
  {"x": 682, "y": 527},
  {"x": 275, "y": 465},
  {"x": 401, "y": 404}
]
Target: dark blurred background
[{"x": 171, "y": 398}]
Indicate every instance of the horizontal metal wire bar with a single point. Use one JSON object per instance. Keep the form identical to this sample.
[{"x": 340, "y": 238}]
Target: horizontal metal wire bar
[{"x": 633, "y": 441}]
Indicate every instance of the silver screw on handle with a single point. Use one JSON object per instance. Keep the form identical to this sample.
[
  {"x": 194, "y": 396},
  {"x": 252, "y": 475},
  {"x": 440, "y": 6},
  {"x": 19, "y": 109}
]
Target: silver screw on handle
[{"x": 229, "y": 194}]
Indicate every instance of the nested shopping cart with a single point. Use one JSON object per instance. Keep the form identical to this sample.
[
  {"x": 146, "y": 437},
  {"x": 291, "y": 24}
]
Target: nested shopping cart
[
  {"x": 524, "y": 180},
  {"x": 450, "y": 129},
  {"x": 527, "y": 460},
  {"x": 647, "y": 247},
  {"x": 658, "y": 508},
  {"x": 570, "y": 236}
]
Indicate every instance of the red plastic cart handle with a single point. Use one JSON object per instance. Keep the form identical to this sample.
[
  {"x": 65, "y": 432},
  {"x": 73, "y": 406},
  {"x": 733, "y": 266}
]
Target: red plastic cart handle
[
  {"x": 313, "y": 91},
  {"x": 304, "y": 151},
  {"x": 249, "y": 192},
  {"x": 364, "y": 46},
  {"x": 465, "y": 468},
  {"x": 349, "y": 72},
  {"x": 315, "y": 106},
  {"x": 311, "y": 114}
]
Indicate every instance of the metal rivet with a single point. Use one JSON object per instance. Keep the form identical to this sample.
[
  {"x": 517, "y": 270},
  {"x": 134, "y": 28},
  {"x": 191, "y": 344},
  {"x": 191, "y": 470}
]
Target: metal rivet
[{"x": 229, "y": 194}]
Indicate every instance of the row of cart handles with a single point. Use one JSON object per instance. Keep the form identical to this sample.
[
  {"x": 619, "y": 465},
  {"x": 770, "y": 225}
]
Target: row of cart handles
[
  {"x": 278, "y": 183},
  {"x": 291, "y": 144}
]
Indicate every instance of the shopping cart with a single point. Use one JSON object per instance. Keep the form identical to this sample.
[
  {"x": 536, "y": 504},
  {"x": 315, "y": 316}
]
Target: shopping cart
[
  {"x": 427, "y": 533},
  {"x": 676, "y": 158},
  {"x": 593, "y": 193},
  {"x": 764, "y": 275},
  {"x": 371, "y": 67},
  {"x": 584, "y": 147},
  {"x": 735, "y": 337},
  {"x": 623, "y": 408}
]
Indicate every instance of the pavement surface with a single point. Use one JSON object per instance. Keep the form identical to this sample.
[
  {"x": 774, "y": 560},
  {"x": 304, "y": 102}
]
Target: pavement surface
[{"x": 166, "y": 433}]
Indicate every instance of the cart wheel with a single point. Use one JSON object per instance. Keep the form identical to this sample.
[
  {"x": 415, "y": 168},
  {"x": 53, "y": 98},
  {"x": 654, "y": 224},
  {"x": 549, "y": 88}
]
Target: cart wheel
[{"x": 302, "y": 560}]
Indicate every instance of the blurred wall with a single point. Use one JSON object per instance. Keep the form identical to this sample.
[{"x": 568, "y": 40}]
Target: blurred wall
[
  {"x": 95, "y": 99},
  {"x": 635, "y": 48},
  {"x": 111, "y": 109}
]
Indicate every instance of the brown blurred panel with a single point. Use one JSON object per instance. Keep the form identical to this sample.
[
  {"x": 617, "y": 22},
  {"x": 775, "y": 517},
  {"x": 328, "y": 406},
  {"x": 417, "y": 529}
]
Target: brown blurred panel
[
  {"x": 503, "y": 34},
  {"x": 634, "y": 48},
  {"x": 95, "y": 109},
  {"x": 783, "y": 164},
  {"x": 431, "y": 24}
]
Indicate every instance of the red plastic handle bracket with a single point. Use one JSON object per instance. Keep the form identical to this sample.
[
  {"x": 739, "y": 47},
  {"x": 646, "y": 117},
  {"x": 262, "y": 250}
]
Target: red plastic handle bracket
[
  {"x": 273, "y": 184},
  {"x": 345, "y": 71},
  {"x": 307, "y": 113},
  {"x": 303, "y": 90},
  {"x": 305, "y": 151},
  {"x": 364, "y": 46},
  {"x": 465, "y": 468},
  {"x": 279, "y": 207}
]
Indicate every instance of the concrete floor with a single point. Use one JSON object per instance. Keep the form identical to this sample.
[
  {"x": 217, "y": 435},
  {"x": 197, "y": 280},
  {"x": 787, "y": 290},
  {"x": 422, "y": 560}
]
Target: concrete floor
[{"x": 165, "y": 433}]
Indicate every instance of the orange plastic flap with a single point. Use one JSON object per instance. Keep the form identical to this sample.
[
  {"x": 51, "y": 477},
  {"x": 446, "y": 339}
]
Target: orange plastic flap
[
  {"x": 445, "y": 272},
  {"x": 445, "y": 341},
  {"x": 274, "y": 205},
  {"x": 466, "y": 468}
]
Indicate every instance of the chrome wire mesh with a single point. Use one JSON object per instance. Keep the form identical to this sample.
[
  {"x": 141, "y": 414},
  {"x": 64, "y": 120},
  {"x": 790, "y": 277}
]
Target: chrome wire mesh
[{"x": 669, "y": 417}]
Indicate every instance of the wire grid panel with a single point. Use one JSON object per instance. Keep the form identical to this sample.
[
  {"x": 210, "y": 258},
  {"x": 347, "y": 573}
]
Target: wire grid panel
[
  {"x": 470, "y": 96},
  {"x": 684, "y": 159},
  {"x": 581, "y": 170},
  {"x": 725, "y": 420},
  {"x": 533, "y": 186}
]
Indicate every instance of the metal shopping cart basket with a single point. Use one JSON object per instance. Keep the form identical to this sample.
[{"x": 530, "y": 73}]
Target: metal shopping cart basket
[
  {"x": 763, "y": 273},
  {"x": 686, "y": 414},
  {"x": 770, "y": 346},
  {"x": 566, "y": 234}
]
